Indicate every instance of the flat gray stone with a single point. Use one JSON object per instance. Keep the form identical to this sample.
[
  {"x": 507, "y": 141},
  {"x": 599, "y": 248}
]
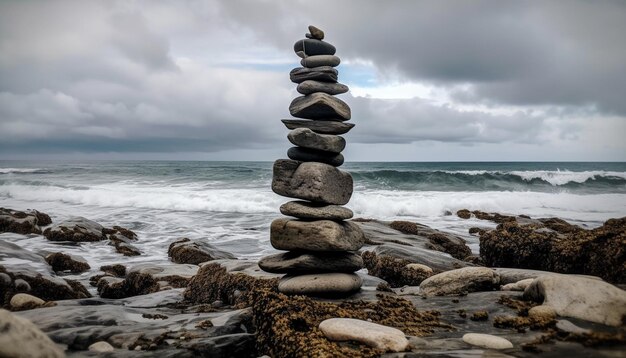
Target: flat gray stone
[
  {"x": 320, "y": 60},
  {"x": 306, "y": 138},
  {"x": 312, "y": 86},
  {"x": 311, "y": 262},
  {"x": 463, "y": 280},
  {"x": 320, "y": 105},
  {"x": 320, "y": 235},
  {"x": 314, "y": 155},
  {"x": 387, "y": 339},
  {"x": 308, "y": 210},
  {"x": 312, "y": 47},
  {"x": 321, "y": 127},
  {"x": 323, "y": 74},
  {"x": 317, "y": 182},
  {"x": 320, "y": 284},
  {"x": 316, "y": 33}
]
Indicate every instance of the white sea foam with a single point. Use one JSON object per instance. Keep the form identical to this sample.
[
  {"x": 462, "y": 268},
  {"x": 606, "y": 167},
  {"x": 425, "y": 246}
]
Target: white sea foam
[
  {"x": 19, "y": 170},
  {"x": 554, "y": 177}
]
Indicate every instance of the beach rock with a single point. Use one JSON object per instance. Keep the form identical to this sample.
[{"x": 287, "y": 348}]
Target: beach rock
[
  {"x": 320, "y": 284},
  {"x": 580, "y": 297},
  {"x": 517, "y": 286},
  {"x": 63, "y": 262},
  {"x": 306, "y": 138},
  {"x": 488, "y": 341},
  {"x": 313, "y": 47},
  {"x": 24, "y": 301},
  {"x": 320, "y": 60},
  {"x": 22, "y": 222},
  {"x": 321, "y": 127},
  {"x": 101, "y": 347},
  {"x": 464, "y": 214},
  {"x": 317, "y": 182},
  {"x": 20, "y": 338},
  {"x": 394, "y": 271},
  {"x": 387, "y": 339},
  {"x": 77, "y": 229},
  {"x": 117, "y": 270},
  {"x": 322, "y": 74},
  {"x": 439, "y": 240},
  {"x": 314, "y": 155},
  {"x": 311, "y": 86},
  {"x": 567, "y": 326},
  {"x": 319, "y": 106},
  {"x": 146, "y": 278},
  {"x": 186, "y": 251},
  {"x": 313, "y": 211},
  {"x": 463, "y": 280},
  {"x": 311, "y": 262},
  {"x": 316, "y": 33},
  {"x": 420, "y": 268},
  {"x": 122, "y": 239},
  {"x": 321, "y": 235},
  {"x": 542, "y": 312}
]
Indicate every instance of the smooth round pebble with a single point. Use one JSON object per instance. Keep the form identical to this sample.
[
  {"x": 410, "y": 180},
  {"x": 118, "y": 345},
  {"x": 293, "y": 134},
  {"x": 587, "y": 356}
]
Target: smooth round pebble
[
  {"x": 487, "y": 341},
  {"x": 24, "y": 300},
  {"x": 101, "y": 346},
  {"x": 374, "y": 335}
]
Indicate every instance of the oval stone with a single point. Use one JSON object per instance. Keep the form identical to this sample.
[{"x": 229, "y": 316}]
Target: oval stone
[
  {"x": 306, "y": 138},
  {"x": 488, "y": 341},
  {"x": 314, "y": 155},
  {"x": 311, "y": 262},
  {"x": 321, "y": 284},
  {"x": 319, "y": 235},
  {"x": 316, "y": 33},
  {"x": 313, "y": 47},
  {"x": 309, "y": 210},
  {"x": 312, "y": 86},
  {"x": 322, "y": 127},
  {"x": 324, "y": 74},
  {"x": 320, "y": 105},
  {"x": 320, "y": 60},
  {"x": 387, "y": 339}
]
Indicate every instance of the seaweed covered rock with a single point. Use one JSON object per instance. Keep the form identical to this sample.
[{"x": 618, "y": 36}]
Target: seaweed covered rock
[
  {"x": 145, "y": 278},
  {"x": 393, "y": 270},
  {"x": 23, "y": 222},
  {"x": 75, "y": 229},
  {"x": 63, "y": 262},
  {"x": 538, "y": 245},
  {"x": 186, "y": 251},
  {"x": 121, "y": 238}
]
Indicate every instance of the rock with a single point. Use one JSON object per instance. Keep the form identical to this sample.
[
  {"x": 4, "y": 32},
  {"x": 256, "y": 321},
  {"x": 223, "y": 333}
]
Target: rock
[
  {"x": 421, "y": 268},
  {"x": 62, "y": 262},
  {"x": 101, "y": 346},
  {"x": 580, "y": 297},
  {"x": 320, "y": 105},
  {"x": 22, "y": 222},
  {"x": 464, "y": 214},
  {"x": 487, "y": 341},
  {"x": 320, "y": 284},
  {"x": 312, "y": 86},
  {"x": 317, "y": 182},
  {"x": 116, "y": 270},
  {"x": 24, "y": 301},
  {"x": 313, "y": 211},
  {"x": 542, "y": 312},
  {"x": 316, "y": 33},
  {"x": 321, "y": 235},
  {"x": 121, "y": 238},
  {"x": 320, "y": 60},
  {"x": 306, "y": 138},
  {"x": 20, "y": 338},
  {"x": 445, "y": 242},
  {"x": 311, "y": 262},
  {"x": 569, "y": 327},
  {"x": 322, "y": 74},
  {"x": 393, "y": 270},
  {"x": 76, "y": 229},
  {"x": 185, "y": 251},
  {"x": 517, "y": 286},
  {"x": 463, "y": 280},
  {"x": 321, "y": 127},
  {"x": 374, "y": 335},
  {"x": 314, "y": 155},
  {"x": 312, "y": 47}
]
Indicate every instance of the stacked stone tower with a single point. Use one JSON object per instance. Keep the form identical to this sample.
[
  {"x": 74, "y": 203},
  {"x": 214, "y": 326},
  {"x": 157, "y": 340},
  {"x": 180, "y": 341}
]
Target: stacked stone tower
[{"x": 321, "y": 246}]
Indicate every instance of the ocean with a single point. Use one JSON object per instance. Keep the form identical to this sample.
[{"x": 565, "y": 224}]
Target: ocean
[{"x": 231, "y": 205}]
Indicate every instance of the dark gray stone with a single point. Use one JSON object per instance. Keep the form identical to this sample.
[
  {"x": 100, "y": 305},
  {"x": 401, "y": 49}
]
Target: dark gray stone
[
  {"x": 306, "y": 138},
  {"x": 321, "y": 127},
  {"x": 311, "y": 262},
  {"x": 320, "y": 60},
  {"x": 311, "y": 86},
  {"x": 75, "y": 229},
  {"x": 320, "y": 105},
  {"x": 186, "y": 251},
  {"x": 312, "y": 47},
  {"x": 320, "y": 235},
  {"x": 314, "y": 155},
  {"x": 324, "y": 74},
  {"x": 308, "y": 210},
  {"x": 321, "y": 183},
  {"x": 316, "y": 33}
]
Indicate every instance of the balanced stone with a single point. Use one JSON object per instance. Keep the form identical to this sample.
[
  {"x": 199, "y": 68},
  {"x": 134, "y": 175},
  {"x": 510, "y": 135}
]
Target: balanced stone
[
  {"x": 306, "y": 138},
  {"x": 312, "y": 181},
  {"x": 309, "y": 210},
  {"x": 310, "y": 262},
  {"x": 320, "y": 235},
  {"x": 315, "y": 33},
  {"x": 320, "y": 284},
  {"x": 314, "y": 155},
  {"x": 322, "y": 127},
  {"x": 323, "y": 73},
  {"x": 320, "y": 60},
  {"x": 312, "y": 47},
  {"x": 319, "y": 105},
  {"x": 311, "y": 86}
]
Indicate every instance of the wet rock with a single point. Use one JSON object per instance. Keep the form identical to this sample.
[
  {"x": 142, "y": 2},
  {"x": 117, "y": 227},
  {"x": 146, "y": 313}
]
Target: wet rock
[
  {"x": 313, "y": 47},
  {"x": 517, "y": 286},
  {"x": 22, "y": 222},
  {"x": 488, "y": 341},
  {"x": 311, "y": 262},
  {"x": 320, "y": 105},
  {"x": 420, "y": 268},
  {"x": 321, "y": 74},
  {"x": 312, "y": 86},
  {"x": 320, "y": 60},
  {"x": 467, "y": 279},
  {"x": 101, "y": 346},
  {"x": 464, "y": 214},
  {"x": 580, "y": 297},
  {"x": 63, "y": 262},
  {"x": 306, "y": 138},
  {"x": 320, "y": 235},
  {"x": 116, "y": 270},
  {"x": 24, "y": 301},
  {"x": 314, "y": 155},
  {"x": 76, "y": 229},
  {"x": 308, "y": 210},
  {"x": 186, "y": 251},
  {"x": 321, "y": 284},
  {"x": 393, "y": 270},
  {"x": 322, "y": 127},
  {"x": 316, "y": 182},
  {"x": 20, "y": 338},
  {"x": 449, "y": 243},
  {"x": 385, "y": 338},
  {"x": 121, "y": 238}
]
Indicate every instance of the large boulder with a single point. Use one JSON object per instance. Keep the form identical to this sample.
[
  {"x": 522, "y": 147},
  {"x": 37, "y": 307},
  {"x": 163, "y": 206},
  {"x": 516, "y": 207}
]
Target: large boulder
[
  {"x": 186, "y": 251},
  {"x": 22, "y": 222},
  {"x": 312, "y": 181},
  {"x": 320, "y": 235},
  {"x": 460, "y": 281},
  {"x": 20, "y": 338},
  {"x": 75, "y": 229}
]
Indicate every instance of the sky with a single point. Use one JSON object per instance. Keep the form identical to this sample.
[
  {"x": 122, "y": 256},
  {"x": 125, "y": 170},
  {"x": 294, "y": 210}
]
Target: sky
[{"x": 209, "y": 80}]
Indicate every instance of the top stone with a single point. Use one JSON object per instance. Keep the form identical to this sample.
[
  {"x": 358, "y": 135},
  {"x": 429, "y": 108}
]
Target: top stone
[{"x": 315, "y": 33}]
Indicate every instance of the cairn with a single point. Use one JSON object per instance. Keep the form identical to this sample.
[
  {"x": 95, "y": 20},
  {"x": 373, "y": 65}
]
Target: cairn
[{"x": 321, "y": 246}]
